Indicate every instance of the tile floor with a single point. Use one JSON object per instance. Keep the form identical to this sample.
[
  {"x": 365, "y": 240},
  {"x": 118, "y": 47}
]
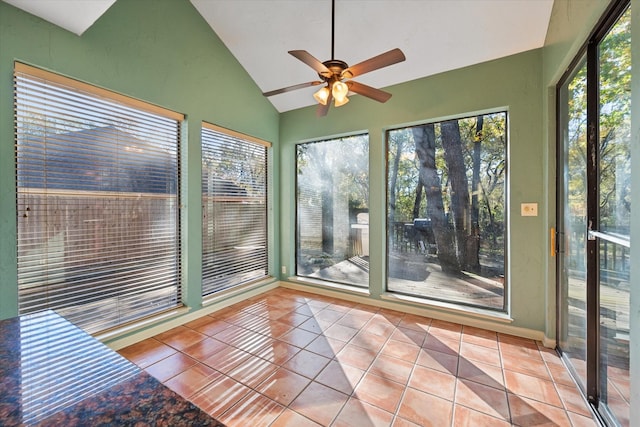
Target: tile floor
[{"x": 289, "y": 358}]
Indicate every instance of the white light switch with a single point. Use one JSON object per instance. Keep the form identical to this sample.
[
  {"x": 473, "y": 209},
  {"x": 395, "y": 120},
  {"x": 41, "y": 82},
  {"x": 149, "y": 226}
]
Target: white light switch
[{"x": 528, "y": 209}]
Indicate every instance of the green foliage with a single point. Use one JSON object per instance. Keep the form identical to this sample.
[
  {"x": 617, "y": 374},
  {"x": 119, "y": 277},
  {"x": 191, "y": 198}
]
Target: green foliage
[{"x": 491, "y": 189}]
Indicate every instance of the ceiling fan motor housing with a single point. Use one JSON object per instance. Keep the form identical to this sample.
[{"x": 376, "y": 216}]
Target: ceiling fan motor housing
[{"x": 336, "y": 67}]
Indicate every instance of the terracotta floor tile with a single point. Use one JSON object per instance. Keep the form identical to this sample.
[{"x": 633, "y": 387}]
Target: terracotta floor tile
[
  {"x": 482, "y": 398},
  {"x": 401, "y": 422},
  {"x": 180, "y": 337},
  {"x": 291, "y": 418},
  {"x": 526, "y": 365},
  {"x": 244, "y": 318},
  {"x": 507, "y": 340},
  {"x": 417, "y": 323},
  {"x": 252, "y": 371},
  {"x": 343, "y": 378},
  {"x": 409, "y": 336},
  {"x": 329, "y": 315},
  {"x": 358, "y": 413},
  {"x": 482, "y": 373},
  {"x": 270, "y": 328},
  {"x": 334, "y": 361},
  {"x": 340, "y": 332},
  {"x": 147, "y": 352},
  {"x": 283, "y": 386},
  {"x": 327, "y": 347},
  {"x": 226, "y": 359},
  {"x": 208, "y": 325},
  {"x": 293, "y": 319},
  {"x": 393, "y": 316},
  {"x": 439, "y": 361},
  {"x": 314, "y": 325},
  {"x": 433, "y": 382},
  {"x": 307, "y": 363},
  {"x": 446, "y": 330},
  {"x": 532, "y": 387},
  {"x": 369, "y": 341},
  {"x": 277, "y": 352},
  {"x": 205, "y": 348},
  {"x": 442, "y": 345},
  {"x": 465, "y": 417},
  {"x": 379, "y": 327},
  {"x": 219, "y": 396},
  {"x": 189, "y": 382},
  {"x": 573, "y": 400},
  {"x": 380, "y": 392},
  {"x": 391, "y": 368},
  {"x": 242, "y": 338},
  {"x": 560, "y": 375},
  {"x": 298, "y": 337},
  {"x": 319, "y": 403},
  {"x": 578, "y": 420},
  {"x": 170, "y": 366},
  {"x": 479, "y": 353},
  {"x": 354, "y": 320},
  {"x": 231, "y": 335},
  {"x": 425, "y": 409},
  {"x": 356, "y": 356},
  {"x": 401, "y": 350},
  {"x": 253, "y": 410},
  {"x": 527, "y": 412}
]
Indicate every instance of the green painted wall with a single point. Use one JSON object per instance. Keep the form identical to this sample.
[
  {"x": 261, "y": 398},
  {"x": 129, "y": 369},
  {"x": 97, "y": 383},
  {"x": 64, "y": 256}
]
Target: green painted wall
[
  {"x": 513, "y": 83},
  {"x": 160, "y": 51}
]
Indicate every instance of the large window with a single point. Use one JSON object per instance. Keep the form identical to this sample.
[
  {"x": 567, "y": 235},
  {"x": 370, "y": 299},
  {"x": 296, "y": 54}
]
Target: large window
[
  {"x": 332, "y": 202},
  {"x": 97, "y": 202},
  {"x": 446, "y": 188},
  {"x": 234, "y": 200}
]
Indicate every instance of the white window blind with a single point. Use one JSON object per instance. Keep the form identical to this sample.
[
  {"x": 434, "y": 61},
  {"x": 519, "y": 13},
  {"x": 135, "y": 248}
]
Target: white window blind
[
  {"x": 97, "y": 201},
  {"x": 234, "y": 200}
]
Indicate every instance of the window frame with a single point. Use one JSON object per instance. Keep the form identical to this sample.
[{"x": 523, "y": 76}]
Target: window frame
[
  {"x": 209, "y": 292},
  {"x": 155, "y": 125}
]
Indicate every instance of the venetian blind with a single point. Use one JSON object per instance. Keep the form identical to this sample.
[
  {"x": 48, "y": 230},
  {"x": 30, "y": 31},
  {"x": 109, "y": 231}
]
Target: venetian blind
[
  {"x": 97, "y": 200},
  {"x": 234, "y": 201}
]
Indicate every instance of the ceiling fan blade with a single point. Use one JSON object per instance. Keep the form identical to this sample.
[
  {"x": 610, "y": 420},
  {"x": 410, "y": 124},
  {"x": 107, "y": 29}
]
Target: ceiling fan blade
[
  {"x": 322, "y": 110},
  {"x": 368, "y": 91},
  {"x": 311, "y": 61},
  {"x": 383, "y": 60},
  {"x": 290, "y": 88}
]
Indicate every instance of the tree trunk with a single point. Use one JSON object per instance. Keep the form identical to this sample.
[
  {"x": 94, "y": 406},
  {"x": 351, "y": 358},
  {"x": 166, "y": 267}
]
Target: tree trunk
[
  {"x": 327, "y": 212},
  {"x": 452, "y": 144},
  {"x": 473, "y": 243},
  {"x": 425, "y": 140},
  {"x": 418, "y": 200},
  {"x": 393, "y": 179}
]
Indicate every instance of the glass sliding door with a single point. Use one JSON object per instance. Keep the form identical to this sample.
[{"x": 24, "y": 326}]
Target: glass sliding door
[
  {"x": 573, "y": 228},
  {"x": 614, "y": 211},
  {"x": 594, "y": 215}
]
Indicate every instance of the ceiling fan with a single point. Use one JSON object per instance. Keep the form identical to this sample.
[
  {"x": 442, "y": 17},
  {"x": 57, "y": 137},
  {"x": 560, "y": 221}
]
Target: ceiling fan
[{"x": 336, "y": 74}]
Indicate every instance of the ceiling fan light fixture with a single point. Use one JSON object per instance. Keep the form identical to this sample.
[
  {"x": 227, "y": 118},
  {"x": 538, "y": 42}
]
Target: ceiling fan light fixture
[
  {"x": 339, "y": 90},
  {"x": 322, "y": 95}
]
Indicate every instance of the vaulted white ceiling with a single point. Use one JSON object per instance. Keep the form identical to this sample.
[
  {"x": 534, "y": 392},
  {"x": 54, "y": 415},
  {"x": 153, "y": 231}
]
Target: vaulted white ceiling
[{"x": 435, "y": 35}]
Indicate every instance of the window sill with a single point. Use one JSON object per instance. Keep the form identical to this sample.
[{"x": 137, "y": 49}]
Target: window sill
[
  {"x": 449, "y": 307},
  {"x": 119, "y": 332},
  {"x": 236, "y": 290},
  {"x": 329, "y": 285}
]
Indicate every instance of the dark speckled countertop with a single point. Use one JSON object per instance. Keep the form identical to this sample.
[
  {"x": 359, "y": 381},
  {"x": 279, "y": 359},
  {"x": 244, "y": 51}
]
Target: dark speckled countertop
[{"x": 54, "y": 374}]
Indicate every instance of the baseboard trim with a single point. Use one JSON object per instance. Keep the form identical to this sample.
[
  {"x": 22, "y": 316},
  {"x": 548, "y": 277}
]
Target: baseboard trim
[
  {"x": 124, "y": 338},
  {"x": 498, "y": 325}
]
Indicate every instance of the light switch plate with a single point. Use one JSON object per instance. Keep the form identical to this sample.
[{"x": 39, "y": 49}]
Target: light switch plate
[{"x": 528, "y": 209}]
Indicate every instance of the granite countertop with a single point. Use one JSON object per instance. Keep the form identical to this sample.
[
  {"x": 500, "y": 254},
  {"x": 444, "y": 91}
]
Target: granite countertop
[{"x": 54, "y": 373}]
